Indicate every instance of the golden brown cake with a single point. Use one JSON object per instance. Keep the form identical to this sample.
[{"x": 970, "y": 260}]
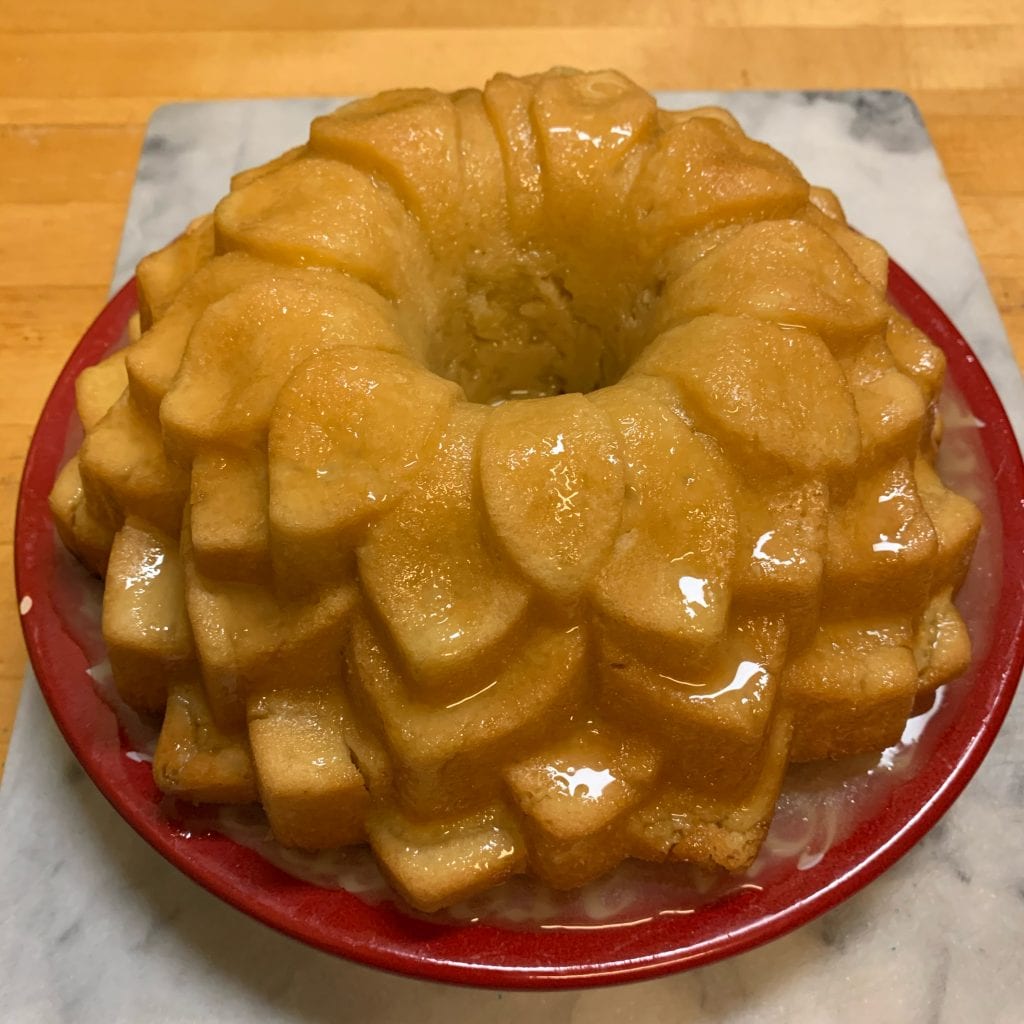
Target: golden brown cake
[{"x": 517, "y": 480}]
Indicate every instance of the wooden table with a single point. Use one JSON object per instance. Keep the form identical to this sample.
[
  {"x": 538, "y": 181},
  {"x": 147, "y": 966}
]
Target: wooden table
[{"x": 78, "y": 81}]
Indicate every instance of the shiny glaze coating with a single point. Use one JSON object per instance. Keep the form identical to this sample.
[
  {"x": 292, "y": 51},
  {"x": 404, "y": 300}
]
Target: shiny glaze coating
[{"x": 518, "y": 480}]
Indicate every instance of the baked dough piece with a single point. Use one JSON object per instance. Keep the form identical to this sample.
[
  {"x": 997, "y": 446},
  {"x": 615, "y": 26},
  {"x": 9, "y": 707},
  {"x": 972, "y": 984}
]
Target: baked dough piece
[{"x": 518, "y": 480}]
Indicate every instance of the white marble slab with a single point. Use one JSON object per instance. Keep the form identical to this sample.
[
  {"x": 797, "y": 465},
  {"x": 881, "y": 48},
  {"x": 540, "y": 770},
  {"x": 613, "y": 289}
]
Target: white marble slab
[{"x": 96, "y": 927}]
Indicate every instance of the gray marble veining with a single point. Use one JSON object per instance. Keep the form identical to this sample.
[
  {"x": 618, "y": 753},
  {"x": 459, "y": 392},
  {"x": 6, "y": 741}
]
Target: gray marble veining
[{"x": 96, "y": 927}]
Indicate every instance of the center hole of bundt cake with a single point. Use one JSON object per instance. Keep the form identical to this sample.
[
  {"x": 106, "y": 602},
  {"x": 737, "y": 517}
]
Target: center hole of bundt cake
[{"x": 533, "y": 329}]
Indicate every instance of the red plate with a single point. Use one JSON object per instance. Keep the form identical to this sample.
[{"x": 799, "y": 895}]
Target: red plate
[{"x": 959, "y": 734}]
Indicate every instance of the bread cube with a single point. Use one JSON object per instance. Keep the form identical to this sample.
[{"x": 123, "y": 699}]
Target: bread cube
[
  {"x": 702, "y": 173},
  {"x": 145, "y": 624},
  {"x": 870, "y": 258},
  {"x": 443, "y": 862},
  {"x": 125, "y": 470},
  {"x": 575, "y": 787},
  {"x": 694, "y": 825},
  {"x": 678, "y": 531},
  {"x": 788, "y": 272},
  {"x": 942, "y": 646},
  {"x": 444, "y": 755},
  {"x": 344, "y": 442},
  {"x": 408, "y": 138},
  {"x": 152, "y": 362},
  {"x": 196, "y": 760},
  {"x": 553, "y": 489},
  {"x": 325, "y": 213},
  {"x": 574, "y": 795},
  {"x": 781, "y": 548},
  {"x": 588, "y": 174},
  {"x": 84, "y": 533},
  {"x": 892, "y": 417},
  {"x": 508, "y": 101},
  {"x": 915, "y": 355},
  {"x": 775, "y": 399},
  {"x": 446, "y": 598},
  {"x": 228, "y": 516},
  {"x": 852, "y": 690},
  {"x": 881, "y": 545},
  {"x": 570, "y": 863},
  {"x": 98, "y": 387},
  {"x": 162, "y": 274},
  {"x": 957, "y": 523},
  {"x": 716, "y": 719},
  {"x": 312, "y": 792},
  {"x": 246, "y": 636},
  {"x": 245, "y": 346}
]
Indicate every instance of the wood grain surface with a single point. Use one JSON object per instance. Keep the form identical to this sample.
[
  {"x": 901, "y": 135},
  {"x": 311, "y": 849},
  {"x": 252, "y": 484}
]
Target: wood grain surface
[{"x": 79, "y": 79}]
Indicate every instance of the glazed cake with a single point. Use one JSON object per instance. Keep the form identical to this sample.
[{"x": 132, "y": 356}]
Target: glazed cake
[{"x": 518, "y": 480}]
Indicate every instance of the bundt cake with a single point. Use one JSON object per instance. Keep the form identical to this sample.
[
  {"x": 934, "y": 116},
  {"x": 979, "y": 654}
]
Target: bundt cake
[{"x": 517, "y": 480}]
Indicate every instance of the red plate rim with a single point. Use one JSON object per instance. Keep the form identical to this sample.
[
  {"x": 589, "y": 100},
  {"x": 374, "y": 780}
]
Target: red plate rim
[{"x": 484, "y": 955}]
